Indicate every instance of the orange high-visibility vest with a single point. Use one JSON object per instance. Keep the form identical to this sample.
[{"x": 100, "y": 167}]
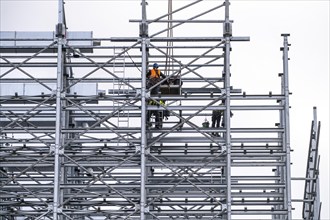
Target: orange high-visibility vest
[{"x": 155, "y": 73}]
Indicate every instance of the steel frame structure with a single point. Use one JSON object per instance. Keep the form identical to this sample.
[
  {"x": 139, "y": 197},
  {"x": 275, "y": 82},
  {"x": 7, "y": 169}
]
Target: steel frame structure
[
  {"x": 65, "y": 155},
  {"x": 311, "y": 201}
]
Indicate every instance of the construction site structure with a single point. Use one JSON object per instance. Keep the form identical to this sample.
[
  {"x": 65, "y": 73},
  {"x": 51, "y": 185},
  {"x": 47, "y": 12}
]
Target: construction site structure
[{"x": 75, "y": 143}]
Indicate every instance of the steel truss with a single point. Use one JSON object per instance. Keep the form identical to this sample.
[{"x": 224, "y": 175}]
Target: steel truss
[{"x": 75, "y": 145}]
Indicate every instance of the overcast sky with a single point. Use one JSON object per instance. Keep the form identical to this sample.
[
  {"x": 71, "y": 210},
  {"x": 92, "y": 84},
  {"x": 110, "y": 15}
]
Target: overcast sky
[{"x": 255, "y": 64}]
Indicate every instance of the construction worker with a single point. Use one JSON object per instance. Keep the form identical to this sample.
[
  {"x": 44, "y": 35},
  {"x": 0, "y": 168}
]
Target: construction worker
[
  {"x": 217, "y": 116},
  {"x": 154, "y": 76},
  {"x": 159, "y": 115}
]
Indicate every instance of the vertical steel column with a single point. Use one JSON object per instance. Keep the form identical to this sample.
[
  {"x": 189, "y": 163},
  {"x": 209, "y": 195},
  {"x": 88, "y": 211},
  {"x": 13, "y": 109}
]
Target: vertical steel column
[
  {"x": 315, "y": 127},
  {"x": 143, "y": 35},
  {"x": 316, "y": 206},
  {"x": 279, "y": 171},
  {"x": 60, "y": 30},
  {"x": 311, "y": 200},
  {"x": 287, "y": 148},
  {"x": 227, "y": 32}
]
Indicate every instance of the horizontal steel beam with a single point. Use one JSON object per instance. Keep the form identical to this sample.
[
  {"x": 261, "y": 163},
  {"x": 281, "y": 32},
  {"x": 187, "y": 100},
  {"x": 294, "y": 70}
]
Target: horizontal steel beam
[{"x": 178, "y": 39}]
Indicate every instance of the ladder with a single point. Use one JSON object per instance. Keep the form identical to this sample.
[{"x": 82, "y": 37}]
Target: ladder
[
  {"x": 312, "y": 204},
  {"x": 119, "y": 87}
]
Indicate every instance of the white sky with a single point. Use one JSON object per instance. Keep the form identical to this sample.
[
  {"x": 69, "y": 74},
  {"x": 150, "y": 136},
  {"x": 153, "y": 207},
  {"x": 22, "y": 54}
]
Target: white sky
[{"x": 255, "y": 64}]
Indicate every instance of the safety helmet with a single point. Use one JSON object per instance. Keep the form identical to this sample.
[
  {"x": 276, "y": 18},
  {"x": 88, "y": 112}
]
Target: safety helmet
[{"x": 155, "y": 65}]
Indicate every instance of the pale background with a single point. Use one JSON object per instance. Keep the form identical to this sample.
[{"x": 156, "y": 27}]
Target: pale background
[{"x": 255, "y": 64}]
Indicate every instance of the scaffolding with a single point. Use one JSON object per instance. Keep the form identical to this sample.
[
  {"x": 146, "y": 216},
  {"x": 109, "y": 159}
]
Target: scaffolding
[
  {"x": 311, "y": 201},
  {"x": 75, "y": 143}
]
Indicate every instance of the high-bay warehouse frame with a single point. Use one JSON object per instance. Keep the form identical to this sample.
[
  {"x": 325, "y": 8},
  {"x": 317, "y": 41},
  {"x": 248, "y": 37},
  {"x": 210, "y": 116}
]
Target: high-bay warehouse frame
[{"x": 75, "y": 142}]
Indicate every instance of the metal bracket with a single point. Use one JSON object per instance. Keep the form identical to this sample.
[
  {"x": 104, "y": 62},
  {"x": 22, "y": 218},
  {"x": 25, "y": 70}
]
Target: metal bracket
[
  {"x": 138, "y": 93},
  {"x": 138, "y": 207},
  {"x": 52, "y": 149},
  {"x": 143, "y": 29},
  {"x": 51, "y": 207},
  {"x": 148, "y": 42},
  {"x": 227, "y": 29},
  {"x": 223, "y": 148},
  {"x": 146, "y": 209},
  {"x": 138, "y": 149},
  {"x": 60, "y": 30},
  {"x": 147, "y": 95}
]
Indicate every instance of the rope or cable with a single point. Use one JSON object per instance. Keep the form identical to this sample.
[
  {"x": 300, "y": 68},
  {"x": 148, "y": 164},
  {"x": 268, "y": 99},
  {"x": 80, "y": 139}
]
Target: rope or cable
[{"x": 169, "y": 49}]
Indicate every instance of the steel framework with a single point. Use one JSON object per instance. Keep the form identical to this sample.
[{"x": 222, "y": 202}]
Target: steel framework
[
  {"x": 75, "y": 143},
  {"x": 311, "y": 202}
]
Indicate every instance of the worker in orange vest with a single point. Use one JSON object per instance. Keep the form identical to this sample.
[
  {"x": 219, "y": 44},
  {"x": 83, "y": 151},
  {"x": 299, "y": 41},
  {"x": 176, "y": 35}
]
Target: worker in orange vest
[{"x": 154, "y": 76}]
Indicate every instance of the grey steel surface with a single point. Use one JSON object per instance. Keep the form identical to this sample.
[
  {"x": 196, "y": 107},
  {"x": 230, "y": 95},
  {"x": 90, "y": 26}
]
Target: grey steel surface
[{"x": 32, "y": 42}]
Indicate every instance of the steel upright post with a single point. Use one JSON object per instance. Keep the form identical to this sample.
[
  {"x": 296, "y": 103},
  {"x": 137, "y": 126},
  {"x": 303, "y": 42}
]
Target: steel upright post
[
  {"x": 317, "y": 204},
  {"x": 144, "y": 35},
  {"x": 286, "y": 146},
  {"x": 227, "y": 32},
  {"x": 60, "y": 30},
  {"x": 316, "y": 188}
]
